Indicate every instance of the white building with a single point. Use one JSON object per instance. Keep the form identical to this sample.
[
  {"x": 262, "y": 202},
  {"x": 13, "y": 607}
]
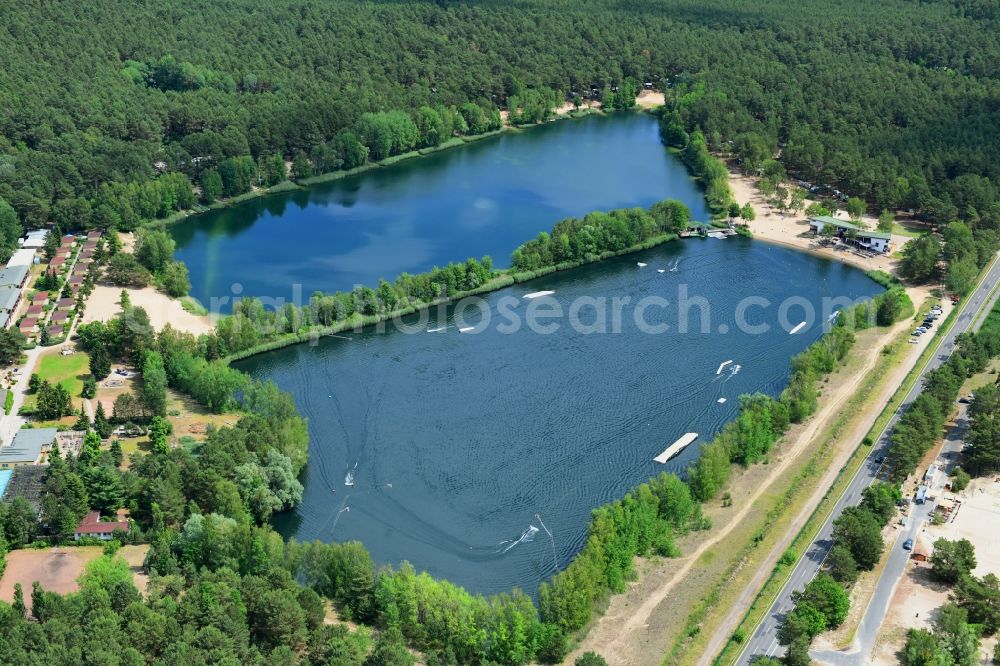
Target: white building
[
  {"x": 876, "y": 241},
  {"x": 34, "y": 239},
  {"x": 22, "y": 257}
]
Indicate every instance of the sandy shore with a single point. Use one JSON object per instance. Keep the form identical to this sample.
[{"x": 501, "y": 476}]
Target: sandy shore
[
  {"x": 105, "y": 303},
  {"x": 647, "y": 99},
  {"x": 792, "y": 229}
]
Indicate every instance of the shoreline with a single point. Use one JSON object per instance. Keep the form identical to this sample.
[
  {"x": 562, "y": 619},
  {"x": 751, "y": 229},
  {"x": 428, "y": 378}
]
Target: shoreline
[
  {"x": 506, "y": 278},
  {"x": 287, "y": 186},
  {"x": 788, "y": 228}
]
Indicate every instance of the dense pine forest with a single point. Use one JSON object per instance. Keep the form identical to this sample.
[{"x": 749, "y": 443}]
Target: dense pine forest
[
  {"x": 895, "y": 102},
  {"x": 114, "y": 114}
]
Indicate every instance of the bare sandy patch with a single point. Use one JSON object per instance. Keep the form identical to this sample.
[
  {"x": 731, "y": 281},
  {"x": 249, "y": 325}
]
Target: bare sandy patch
[
  {"x": 105, "y": 303},
  {"x": 793, "y": 229},
  {"x": 127, "y": 239},
  {"x": 650, "y": 99},
  {"x": 56, "y": 569},
  {"x": 917, "y": 597},
  {"x": 136, "y": 556}
]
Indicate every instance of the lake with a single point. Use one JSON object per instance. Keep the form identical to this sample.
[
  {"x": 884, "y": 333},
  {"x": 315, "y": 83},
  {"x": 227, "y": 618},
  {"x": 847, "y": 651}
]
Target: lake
[
  {"x": 466, "y": 451},
  {"x": 487, "y": 197}
]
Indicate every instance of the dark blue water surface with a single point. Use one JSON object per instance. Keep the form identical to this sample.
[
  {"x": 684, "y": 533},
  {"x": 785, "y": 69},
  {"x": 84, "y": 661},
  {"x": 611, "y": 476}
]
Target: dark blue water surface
[
  {"x": 460, "y": 444},
  {"x": 466, "y": 450},
  {"x": 484, "y": 198}
]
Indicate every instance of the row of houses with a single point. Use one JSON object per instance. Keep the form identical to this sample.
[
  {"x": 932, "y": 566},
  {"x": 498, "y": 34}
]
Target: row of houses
[{"x": 35, "y": 315}]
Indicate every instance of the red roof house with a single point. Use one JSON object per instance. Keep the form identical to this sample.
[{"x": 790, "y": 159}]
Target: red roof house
[
  {"x": 34, "y": 310},
  {"x": 94, "y": 528},
  {"x": 59, "y": 316},
  {"x": 65, "y": 304}
]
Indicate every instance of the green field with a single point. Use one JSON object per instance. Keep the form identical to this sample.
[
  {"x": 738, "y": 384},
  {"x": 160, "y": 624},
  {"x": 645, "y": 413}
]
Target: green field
[{"x": 69, "y": 371}]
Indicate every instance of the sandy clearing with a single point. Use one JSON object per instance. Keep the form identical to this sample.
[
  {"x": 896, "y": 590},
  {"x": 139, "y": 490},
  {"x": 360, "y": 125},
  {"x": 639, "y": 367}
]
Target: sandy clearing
[
  {"x": 917, "y": 597},
  {"x": 104, "y": 303},
  {"x": 912, "y": 607},
  {"x": 647, "y": 99},
  {"x": 56, "y": 569},
  {"x": 136, "y": 556},
  {"x": 650, "y": 99},
  {"x": 127, "y": 239},
  {"x": 793, "y": 230}
]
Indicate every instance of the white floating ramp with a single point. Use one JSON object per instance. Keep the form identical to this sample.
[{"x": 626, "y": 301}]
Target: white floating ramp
[
  {"x": 640, "y": 264},
  {"x": 538, "y": 294},
  {"x": 466, "y": 329},
  {"x": 797, "y": 328},
  {"x": 722, "y": 365},
  {"x": 676, "y": 447}
]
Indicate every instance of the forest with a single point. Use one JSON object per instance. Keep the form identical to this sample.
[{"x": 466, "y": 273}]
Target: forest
[
  {"x": 111, "y": 113},
  {"x": 117, "y": 114}
]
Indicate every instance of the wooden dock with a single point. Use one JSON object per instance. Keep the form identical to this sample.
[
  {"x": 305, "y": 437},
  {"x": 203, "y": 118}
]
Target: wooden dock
[{"x": 676, "y": 447}]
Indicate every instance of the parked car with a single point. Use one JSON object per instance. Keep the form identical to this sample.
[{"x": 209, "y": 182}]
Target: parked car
[
  {"x": 919, "y": 331},
  {"x": 914, "y": 341},
  {"x": 908, "y": 544}
]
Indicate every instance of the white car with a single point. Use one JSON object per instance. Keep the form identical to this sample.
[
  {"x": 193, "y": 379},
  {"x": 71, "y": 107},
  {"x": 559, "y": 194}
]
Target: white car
[{"x": 914, "y": 341}]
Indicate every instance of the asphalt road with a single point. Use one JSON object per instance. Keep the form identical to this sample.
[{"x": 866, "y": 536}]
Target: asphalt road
[
  {"x": 764, "y": 640},
  {"x": 864, "y": 640}
]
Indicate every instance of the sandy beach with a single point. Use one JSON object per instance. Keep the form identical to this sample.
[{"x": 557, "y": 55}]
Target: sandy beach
[
  {"x": 792, "y": 229},
  {"x": 105, "y": 303}
]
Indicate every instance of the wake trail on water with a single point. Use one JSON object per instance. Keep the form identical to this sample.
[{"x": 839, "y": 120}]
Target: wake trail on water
[
  {"x": 527, "y": 536},
  {"x": 414, "y": 527},
  {"x": 552, "y": 540}
]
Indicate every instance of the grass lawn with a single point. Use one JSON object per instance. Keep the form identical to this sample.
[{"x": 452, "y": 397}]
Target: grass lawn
[
  {"x": 69, "y": 371},
  {"x": 979, "y": 380},
  {"x": 192, "y": 420},
  {"x": 909, "y": 229}
]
